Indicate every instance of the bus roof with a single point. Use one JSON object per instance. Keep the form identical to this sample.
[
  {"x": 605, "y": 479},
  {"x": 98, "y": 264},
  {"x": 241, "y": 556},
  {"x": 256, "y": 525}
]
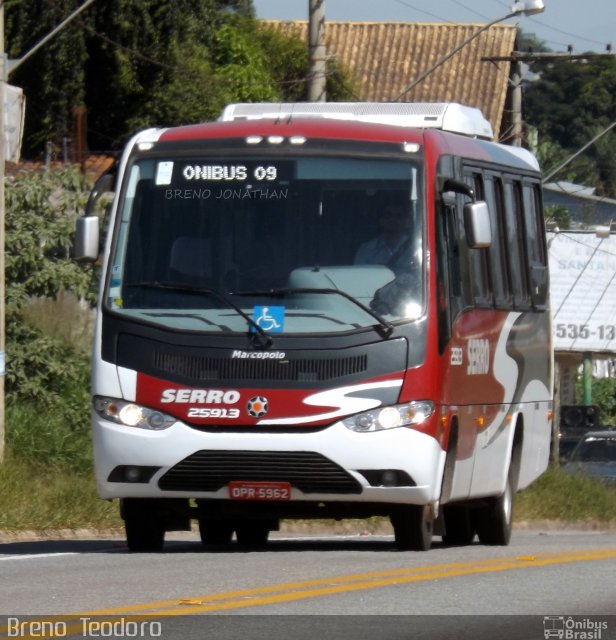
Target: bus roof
[
  {"x": 270, "y": 130},
  {"x": 451, "y": 116}
]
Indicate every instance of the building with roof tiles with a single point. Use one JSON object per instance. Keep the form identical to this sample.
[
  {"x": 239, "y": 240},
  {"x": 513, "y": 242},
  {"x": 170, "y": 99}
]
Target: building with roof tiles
[{"x": 384, "y": 58}]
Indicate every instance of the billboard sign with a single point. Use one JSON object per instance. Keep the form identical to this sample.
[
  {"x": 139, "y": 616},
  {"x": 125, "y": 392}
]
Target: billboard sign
[{"x": 583, "y": 291}]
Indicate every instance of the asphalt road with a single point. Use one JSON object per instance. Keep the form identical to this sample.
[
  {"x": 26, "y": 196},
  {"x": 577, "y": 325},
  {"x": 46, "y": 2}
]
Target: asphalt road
[{"x": 318, "y": 587}]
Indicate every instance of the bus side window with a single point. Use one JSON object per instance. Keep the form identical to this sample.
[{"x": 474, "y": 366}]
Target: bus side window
[
  {"x": 478, "y": 258},
  {"x": 535, "y": 244},
  {"x": 449, "y": 276},
  {"x": 499, "y": 262},
  {"x": 514, "y": 228}
]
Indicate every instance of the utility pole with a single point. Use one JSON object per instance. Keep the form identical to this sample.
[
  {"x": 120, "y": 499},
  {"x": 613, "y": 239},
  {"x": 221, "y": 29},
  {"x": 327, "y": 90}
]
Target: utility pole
[
  {"x": 317, "y": 52},
  {"x": 516, "y": 59},
  {"x": 6, "y": 68},
  {"x": 3, "y": 78},
  {"x": 516, "y": 105}
]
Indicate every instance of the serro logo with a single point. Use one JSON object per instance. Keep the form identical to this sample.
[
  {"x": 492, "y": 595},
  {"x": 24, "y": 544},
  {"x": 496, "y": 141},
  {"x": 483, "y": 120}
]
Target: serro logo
[
  {"x": 478, "y": 353},
  {"x": 199, "y": 396}
]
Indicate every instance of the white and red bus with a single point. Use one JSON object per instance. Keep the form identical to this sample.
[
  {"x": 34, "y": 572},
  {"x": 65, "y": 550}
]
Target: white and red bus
[{"x": 321, "y": 311}]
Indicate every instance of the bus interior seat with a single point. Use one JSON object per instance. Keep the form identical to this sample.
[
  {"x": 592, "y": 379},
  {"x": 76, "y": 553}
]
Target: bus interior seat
[{"x": 190, "y": 258}]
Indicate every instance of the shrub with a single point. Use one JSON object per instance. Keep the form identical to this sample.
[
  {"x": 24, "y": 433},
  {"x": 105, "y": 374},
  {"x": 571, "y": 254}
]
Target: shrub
[{"x": 47, "y": 404}]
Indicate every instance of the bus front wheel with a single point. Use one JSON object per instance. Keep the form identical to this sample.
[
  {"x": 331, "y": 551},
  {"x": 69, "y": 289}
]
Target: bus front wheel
[
  {"x": 144, "y": 526},
  {"x": 413, "y": 526}
]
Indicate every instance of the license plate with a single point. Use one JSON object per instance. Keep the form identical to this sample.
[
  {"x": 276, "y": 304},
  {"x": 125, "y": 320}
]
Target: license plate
[{"x": 243, "y": 490}]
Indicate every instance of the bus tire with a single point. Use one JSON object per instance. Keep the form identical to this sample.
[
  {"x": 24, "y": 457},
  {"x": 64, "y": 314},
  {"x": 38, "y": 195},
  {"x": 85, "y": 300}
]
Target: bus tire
[
  {"x": 459, "y": 526},
  {"x": 413, "y": 526},
  {"x": 145, "y": 529},
  {"x": 215, "y": 532},
  {"x": 252, "y": 535},
  {"x": 494, "y": 521}
]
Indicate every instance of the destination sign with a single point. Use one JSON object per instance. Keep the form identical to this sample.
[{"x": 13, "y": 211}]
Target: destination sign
[{"x": 241, "y": 172}]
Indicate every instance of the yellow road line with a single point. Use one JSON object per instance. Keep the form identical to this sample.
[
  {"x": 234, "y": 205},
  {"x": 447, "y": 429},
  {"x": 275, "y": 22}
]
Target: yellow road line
[
  {"x": 355, "y": 582},
  {"x": 320, "y": 587}
]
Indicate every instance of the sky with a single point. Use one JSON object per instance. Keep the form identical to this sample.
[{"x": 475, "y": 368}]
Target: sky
[{"x": 587, "y": 25}]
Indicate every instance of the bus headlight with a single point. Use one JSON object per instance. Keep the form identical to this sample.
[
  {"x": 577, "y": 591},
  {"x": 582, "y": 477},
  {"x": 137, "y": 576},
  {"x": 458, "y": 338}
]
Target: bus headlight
[
  {"x": 131, "y": 414},
  {"x": 401, "y": 415}
]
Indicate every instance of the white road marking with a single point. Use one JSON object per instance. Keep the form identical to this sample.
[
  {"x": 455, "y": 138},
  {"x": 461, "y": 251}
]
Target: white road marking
[{"x": 30, "y": 556}]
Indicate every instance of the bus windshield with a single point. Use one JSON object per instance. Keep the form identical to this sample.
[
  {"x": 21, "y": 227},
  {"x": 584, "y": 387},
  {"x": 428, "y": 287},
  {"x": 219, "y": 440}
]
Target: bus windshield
[{"x": 287, "y": 244}]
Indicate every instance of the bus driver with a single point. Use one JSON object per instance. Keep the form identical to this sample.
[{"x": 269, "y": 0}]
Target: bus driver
[{"x": 392, "y": 246}]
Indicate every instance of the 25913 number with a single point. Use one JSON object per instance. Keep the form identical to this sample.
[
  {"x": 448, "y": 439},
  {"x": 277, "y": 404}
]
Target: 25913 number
[{"x": 213, "y": 412}]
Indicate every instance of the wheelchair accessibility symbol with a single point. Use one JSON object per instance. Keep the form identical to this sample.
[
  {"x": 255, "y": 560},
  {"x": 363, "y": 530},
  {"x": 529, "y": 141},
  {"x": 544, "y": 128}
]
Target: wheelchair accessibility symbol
[{"x": 270, "y": 319}]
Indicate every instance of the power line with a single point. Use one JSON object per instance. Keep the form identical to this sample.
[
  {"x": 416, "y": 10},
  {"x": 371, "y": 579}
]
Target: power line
[
  {"x": 565, "y": 33},
  {"x": 552, "y": 28},
  {"x": 572, "y": 157},
  {"x": 427, "y": 13},
  {"x": 461, "y": 4}
]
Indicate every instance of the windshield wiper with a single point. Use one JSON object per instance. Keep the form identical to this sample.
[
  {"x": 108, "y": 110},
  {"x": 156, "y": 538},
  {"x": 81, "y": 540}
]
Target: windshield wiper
[
  {"x": 385, "y": 326},
  {"x": 179, "y": 286}
]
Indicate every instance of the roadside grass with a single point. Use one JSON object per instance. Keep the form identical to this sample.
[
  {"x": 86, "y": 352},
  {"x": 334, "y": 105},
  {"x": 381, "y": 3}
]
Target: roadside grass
[
  {"x": 50, "y": 497},
  {"x": 46, "y": 479},
  {"x": 574, "y": 499},
  {"x": 36, "y": 499}
]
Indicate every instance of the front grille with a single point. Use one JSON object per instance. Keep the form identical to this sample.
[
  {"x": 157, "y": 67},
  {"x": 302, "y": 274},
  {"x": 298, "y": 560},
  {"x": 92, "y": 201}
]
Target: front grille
[
  {"x": 206, "y": 368},
  {"x": 210, "y": 470}
]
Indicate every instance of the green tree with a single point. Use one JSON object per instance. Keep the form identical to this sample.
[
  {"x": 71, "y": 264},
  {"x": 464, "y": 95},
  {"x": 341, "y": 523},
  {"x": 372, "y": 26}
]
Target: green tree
[
  {"x": 570, "y": 103},
  {"x": 142, "y": 63},
  {"x": 603, "y": 396},
  {"x": 40, "y": 219},
  {"x": 558, "y": 215},
  {"x": 52, "y": 79},
  {"x": 527, "y": 41}
]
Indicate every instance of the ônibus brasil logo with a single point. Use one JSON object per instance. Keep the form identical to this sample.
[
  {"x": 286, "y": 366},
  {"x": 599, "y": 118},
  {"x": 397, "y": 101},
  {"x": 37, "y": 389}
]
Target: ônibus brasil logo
[{"x": 257, "y": 406}]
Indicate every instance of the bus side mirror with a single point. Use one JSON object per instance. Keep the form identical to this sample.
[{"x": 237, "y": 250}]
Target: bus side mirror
[
  {"x": 86, "y": 246},
  {"x": 103, "y": 186},
  {"x": 87, "y": 234},
  {"x": 477, "y": 224}
]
